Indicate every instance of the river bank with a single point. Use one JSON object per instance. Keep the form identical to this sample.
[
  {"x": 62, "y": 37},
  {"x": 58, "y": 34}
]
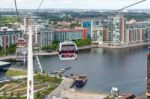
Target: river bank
[
  {"x": 104, "y": 67},
  {"x": 13, "y": 57},
  {"x": 111, "y": 46},
  {"x": 64, "y": 90}
]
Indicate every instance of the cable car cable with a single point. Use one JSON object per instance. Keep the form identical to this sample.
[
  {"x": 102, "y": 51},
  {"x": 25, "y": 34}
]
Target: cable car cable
[
  {"x": 39, "y": 6},
  {"x": 16, "y": 9}
]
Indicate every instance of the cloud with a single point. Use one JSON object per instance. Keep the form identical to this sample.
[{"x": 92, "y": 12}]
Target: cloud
[
  {"x": 62, "y": 1},
  {"x": 92, "y": 4}
]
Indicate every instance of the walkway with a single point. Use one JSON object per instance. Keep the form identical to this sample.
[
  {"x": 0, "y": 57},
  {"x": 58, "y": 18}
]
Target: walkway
[
  {"x": 64, "y": 85},
  {"x": 72, "y": 94}
]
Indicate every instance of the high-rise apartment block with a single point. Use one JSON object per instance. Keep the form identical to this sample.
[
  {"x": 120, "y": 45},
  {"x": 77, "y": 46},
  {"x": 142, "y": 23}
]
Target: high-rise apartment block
[{"x": 117, "y": 31}]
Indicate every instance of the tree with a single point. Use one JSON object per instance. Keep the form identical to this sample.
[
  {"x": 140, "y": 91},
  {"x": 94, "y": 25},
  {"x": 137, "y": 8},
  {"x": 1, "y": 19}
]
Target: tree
[
  {"x": 1, "y": 48},
  {"x": 8, "y": 20},
  {"x": 84, "y": 42},
  {"x": 54, "y": 46},
  {"x": 44, "y": 47}
]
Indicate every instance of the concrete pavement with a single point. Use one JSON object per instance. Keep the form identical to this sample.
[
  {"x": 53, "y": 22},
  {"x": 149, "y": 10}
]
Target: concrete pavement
[{"x": 72, "y": 94}]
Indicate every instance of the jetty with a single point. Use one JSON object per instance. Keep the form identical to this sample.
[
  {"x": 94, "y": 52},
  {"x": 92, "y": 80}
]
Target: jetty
[{"x": 65, "y": 90}]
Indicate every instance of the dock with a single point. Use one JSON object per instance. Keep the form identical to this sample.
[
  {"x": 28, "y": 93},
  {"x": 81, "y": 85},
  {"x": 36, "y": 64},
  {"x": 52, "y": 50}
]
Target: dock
[{"x": 65, "y": 90}]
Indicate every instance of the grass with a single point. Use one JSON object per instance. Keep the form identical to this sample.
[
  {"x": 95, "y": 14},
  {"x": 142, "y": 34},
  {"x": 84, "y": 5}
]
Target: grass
[
  {"x": 13, "y": 72},
  {"x": 44, "y": 83}
]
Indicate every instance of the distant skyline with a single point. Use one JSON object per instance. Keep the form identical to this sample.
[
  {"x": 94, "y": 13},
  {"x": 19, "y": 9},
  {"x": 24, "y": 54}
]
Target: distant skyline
[{"x": 80, "y": 4}]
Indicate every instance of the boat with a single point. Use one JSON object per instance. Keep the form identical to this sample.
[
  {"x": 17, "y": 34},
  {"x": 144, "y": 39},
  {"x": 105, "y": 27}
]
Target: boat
[
  {"x": 67, "y": 68},
  {"x": 80, "y": 81},
  {"x": 3, "y": 69},
  {"x": 4, "y": 65}
]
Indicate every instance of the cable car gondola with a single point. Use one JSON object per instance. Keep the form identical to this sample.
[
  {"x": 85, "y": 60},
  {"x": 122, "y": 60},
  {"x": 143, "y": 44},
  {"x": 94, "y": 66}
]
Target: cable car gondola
[
  {"x": 21, "y": 42},
  {"x": 68, "y": 50}
]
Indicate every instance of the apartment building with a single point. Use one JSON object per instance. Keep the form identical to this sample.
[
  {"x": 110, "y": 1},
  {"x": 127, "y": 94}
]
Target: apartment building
[
  {"x": 9, "y": 36},
  {"x": 61, "y": 35}
]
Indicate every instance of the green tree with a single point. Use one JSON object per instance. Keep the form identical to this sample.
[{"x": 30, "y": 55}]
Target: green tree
[
  {"x": 53, "y": 46},
  {"x": 2, "y": 52},
  {"x": 8, "y": 20},
  {"x": 44, "y": 47},
  {"x": 84, "y": 42},
  {"x": 1, "y": 48}
]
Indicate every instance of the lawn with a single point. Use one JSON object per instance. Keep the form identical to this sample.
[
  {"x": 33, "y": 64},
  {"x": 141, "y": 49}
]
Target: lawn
[
  {"x": 14, "y": 72},
  {"x": 43, "y": 85}
]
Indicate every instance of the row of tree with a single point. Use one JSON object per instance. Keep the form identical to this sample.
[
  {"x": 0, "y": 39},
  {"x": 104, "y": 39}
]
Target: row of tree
[
  {"x": 84, "y": 42},
  {"x": 7, "y": 51},
  {"x": 8, "y": 20},
  {"x": 51, "y": 47},
  {"x": 55, "y": 44}
]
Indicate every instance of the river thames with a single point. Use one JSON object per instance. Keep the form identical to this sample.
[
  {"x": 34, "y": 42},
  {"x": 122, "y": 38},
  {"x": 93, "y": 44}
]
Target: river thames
[{"x": 105, "y": 68}]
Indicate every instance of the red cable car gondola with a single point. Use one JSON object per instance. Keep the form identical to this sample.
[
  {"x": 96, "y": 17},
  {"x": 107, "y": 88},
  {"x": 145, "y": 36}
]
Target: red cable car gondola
[
  {"x": 68, "y": 50},
  {"x": 21, "y": 42}
]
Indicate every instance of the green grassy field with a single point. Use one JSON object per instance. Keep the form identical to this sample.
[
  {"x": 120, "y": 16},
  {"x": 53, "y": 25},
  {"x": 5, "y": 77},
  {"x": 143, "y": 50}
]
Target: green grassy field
[
  {"x": 16, "y": 89},
  {"x": 15, "y": 72}
]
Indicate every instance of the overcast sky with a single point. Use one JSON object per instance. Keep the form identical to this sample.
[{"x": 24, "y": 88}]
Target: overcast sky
[{"x": 83, "y": 4}]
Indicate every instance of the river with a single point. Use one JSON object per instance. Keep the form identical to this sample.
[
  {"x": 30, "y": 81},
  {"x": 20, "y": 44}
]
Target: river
[{"x": 105, "y": 68}]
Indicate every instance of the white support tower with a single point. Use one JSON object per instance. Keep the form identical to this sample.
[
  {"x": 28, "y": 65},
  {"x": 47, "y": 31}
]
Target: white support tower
[
  {"x": 38, "y": 62},
  {"x": 30, "y": 80}
]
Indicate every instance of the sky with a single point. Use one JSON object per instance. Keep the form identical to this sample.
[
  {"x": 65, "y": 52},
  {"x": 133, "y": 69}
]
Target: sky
[{"x": 80, "y": 4}]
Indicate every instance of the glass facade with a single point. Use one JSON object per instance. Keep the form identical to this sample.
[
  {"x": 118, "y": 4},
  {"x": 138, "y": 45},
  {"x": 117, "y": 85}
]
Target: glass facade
[
  {"x": 64, "y": 35},
  {"x": 45, "y": 36},
  {"x": 87, "y": 24}
]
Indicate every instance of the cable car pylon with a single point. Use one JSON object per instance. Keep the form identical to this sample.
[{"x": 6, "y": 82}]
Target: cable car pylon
[{"x": 30, "y": 80}]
